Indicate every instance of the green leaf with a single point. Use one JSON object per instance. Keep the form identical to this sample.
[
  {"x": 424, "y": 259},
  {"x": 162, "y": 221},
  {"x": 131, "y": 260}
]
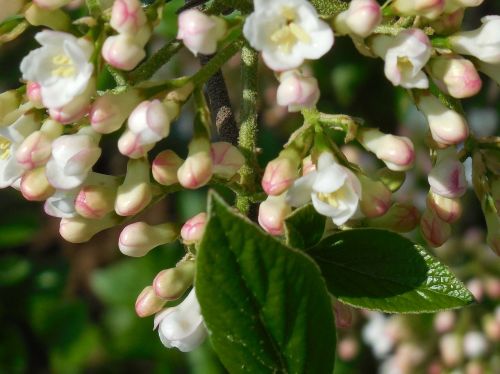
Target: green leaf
[
  {"x": 13, "y": 269},
  {"x": 265, "y": 304},
  {"x": 304, "y": 228},
  {"x": 381, "y": 270}
]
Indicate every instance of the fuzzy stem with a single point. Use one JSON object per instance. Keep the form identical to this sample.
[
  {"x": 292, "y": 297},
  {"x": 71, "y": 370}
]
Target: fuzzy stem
[{"x": 94, "y": 8}]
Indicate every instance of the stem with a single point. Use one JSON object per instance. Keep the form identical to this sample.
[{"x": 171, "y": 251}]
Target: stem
[
  {"x": 248, "y": 130},
  {"x": 94, "y": 8}
]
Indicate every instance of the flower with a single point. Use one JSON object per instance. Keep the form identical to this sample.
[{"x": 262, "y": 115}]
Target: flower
[
  {"x": 182, "y": 326},
  {"x": 192, "y": 231},
  {"x": 287, "y": 32},
  {"x": 61, "y": 204},
  {"x": 334, "y": 190},
  {"x": 127, "y": 16},
  {"x": 362, "y": 17},
  {"x": 61, "y": 67},
  {"x": 150, "y": 120},
  {"x": 447, "y": 177},
  {"x": 272, "y": 214},
  {"x": 297, "y": 91},
  {"x": 199, "y": 32},
  {"x": 405, "y": 55},
  {"x": 123, "y": 51}
]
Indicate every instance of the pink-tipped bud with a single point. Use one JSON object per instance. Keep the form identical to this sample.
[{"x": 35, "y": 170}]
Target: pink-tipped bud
[
  {"x": 455, "y": 76},
  {"x": 399, "y": 218},
  {"x": 297, "y": 91},
  {"x": 123, "y": 51},
  {"x": 170, "y": 284},
  {"x": 94, "y": 202},
  {"x": 362, "y": 17},
  {"x": 75, "y": 109},
  {"x": 491, "y": 328},
  {"x": 435, "y": 231},
  {"x": 450, "y": 346},
  {"x": 196, "y": 170},
  {"x": 476, "y": 288},
  {"x": 109, "y": 112},
  {"x": 199, "y": 32},
  {"x": 35, "y": 185},
  {"x": 131, "y": 145},
  {"x": 279, "y": 175},
  {"x": 165, "y": 166},
  {"x": 343, "y": 315},
  {"x": 51, "y": 4},
  {"x": 448, "y": 23},
  {"x": 308, "y": 165},
  {"x": 272, "y": 214},
  {"x": 79, "y": 229},
  {"x": 192, "y": 231},
  {"x": 135, "y": 192},
  {"x": 444, "y": 321},
  {"x": 449, "y": 210},
  {"x": 34, "y": 151},
  {"x": 34, "y": 94},
  {"x": 447, "y": 177},
  {"x": 148, "y": 303},
  {"x": 492, "y": 287},
  {"x": 226, "y": 159},
  {"x": 127, "y": 16},
  {"x": 348, "y": 348},
  {"x": 376, "y": 198},
  {"x": 397, "y": 152},
  {"x": 447, "y": 126},
  {"x": 150, "y": 120},
  {"x": 137, "y": 239},
  {"x": 430, "y": 9}
]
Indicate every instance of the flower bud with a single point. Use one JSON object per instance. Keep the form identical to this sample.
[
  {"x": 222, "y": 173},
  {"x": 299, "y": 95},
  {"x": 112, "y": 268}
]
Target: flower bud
[
  {"x": 475, "y": 345},
  {"x": 165, "y": 166},
  {"x": 492, "y": 286},
  {"x": 197, "y": 169},
  {"x": 491, "y": 328},
  {"x": 430, "y": 9},
  {"x": 444, "y": 321},
  {"x": 109, "y": 112},
  {"x": 150, "y": 120},
  {"x": 170, "y": 284},
  {"x": 449, "y": 210},
  {"x": 447, "y": 177},
  {"x": 94, "y": 202},
  {"x": 135, "y": 192},
  {"x": 192, "y": 231},
  {"x": 453, "y": 5},
  {"x": 376, "y": 198},
  {"x": 396, "y": 152},
  {"x": 137, "y": 239},
  {"x": 297, "y": 91},
  {"x": 61, "y": 204},
  {"x": 148, "y": 303},
  {"x": 35, "y": 186},
  {"x": 448, "y": 23},
  {"x": 400, "y": 218},
  {"x": 79, "y": 229},
  {"x": 476, "y": 288},
  {"x": 450, "y": 346},
  {"x": 447, "y": 126},
  {"x": 34, "y": 151},
  {"x": 127, "y": 16},
  {"x": 279, "y": 175},
  {"x": 10, "y": 8},
  {"x": 77, "y": 108},
  {"x": 9, "y": 102},
  {"x": 456, "y": 76},
  {"x": 131, "y": 145},
  {"x": 122, "y": 51},
  {"x": 226, "y": 159},
  {"x": 51, "y": 4},
  {"x": 54, "y": 19},
  {"x": 34, "y": 94},
  {"x": 362, "y": 17},
  {"x": 348, "y": 348},
  {"x": 343, "y": 315},
  {"x": 272, "y": 214},
  {"x": 435, "y": 231},
  {"x": 199, "y": 32}
]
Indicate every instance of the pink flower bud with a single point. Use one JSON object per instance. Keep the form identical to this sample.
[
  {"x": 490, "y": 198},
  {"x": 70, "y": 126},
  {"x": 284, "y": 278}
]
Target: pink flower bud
[
  {"x": 362, "y": 17},
  {"x": 192, "y": 231},
  {"x": 35, "y": 186},
  {"x": 448, "y": 23},
  {"x": 348, "y": 348},
  {"x": 449, "y": 210},
  {"x": 51, "y": 4},
  {"x": 34, "y": 151},
  {"x": 272, "y": 214},
  {"x": 94, "y": 202},
  {"x": 396, "y": 152},
  {"x": 447, "y": 177},
  {"x": 127, "y": 16},
  {"x": 122, "y": 51},
  {"x": 131, "y": 145},
  {"x": 343, "y": 315},
  {"x": 196, "y": 171},
  {"x": 150, "y": 120},
  {"x": 279, "y": 175},
  {"x": 170, "y": 284},
  {"x": 34, "y": 94},
  {"x": 109, "y": 112},
  {"x": 226, "y": 159},
  {"x": 455, "y": 76},
  {"x": 444, "y": 321},
  {"x": 450, "y": 346},
  {"x": 447, "y": 126},
  {"x": 492, "y": 286},
  {"x": 199, "y": 32},
  {"x": 79, "y": 229},
  {"x": 376, "y": 198},
  {"x": 297, "y": 91},
  {"x": 137, "y": 239},
  {"x": 148, "y": 303},
  {"x": 430, "y": 9},
  {"x": 399, "y": 217},
  {"x": 476, "y": 288},
  {"x": 491, "y": 328},
  {"x": 435, "y": 231},
  {"x": 165, "y": 166},
  {"x": 135, "y": 192}
]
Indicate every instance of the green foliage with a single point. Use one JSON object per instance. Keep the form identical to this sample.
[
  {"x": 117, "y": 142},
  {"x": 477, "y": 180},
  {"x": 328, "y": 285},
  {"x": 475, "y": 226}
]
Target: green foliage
[{"x": 304, "y": 228}]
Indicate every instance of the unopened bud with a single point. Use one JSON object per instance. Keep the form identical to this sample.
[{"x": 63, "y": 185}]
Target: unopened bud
[
  {"x": 279, "y": 175},
  {"x": 360, "y": 19},
  {"x": 343, "y": 315},
  {"x": 165, "y": 166},
  {"x": 448, "y": 23},
  {"x": 226, "y": 159},
  {"x": 399, "y": 218},
  {"x": 475, "y": 345},
  {"x": 455, "y": 76},
  {"x": 476, "y": 288},
  {"x": 450, "y": 346},
  {"x": 172, "y": 283},
  {"x": 122, "y": 51},
  {"x": 435, "y": 231},
  {"x": 447, "y": 177},
  {"x": 199, "y": 32},
  {"x": 34, "y": 94},
  {"x": 492, "y": 287},
  {"x": 297, "y": 91},
  {"x": 197, "y": 169},
  {"x": 35, "y": 185},
  {"x": 75, "y": 109},
  {"x": 192, "y": 231},
  {"x": 127, "y": 16},
  {"x": 491, "y": 328},
  {"x": 444, "y": 321},
  {"x": 449, "y": 210},
  {"x": 430, "y": 9},
  {"x": 376, "y": 198},
  {"x": 453, "y": 5},
  {"x": 148, "y": 303},
  {"x": 131, "y": 145},
  {"x": 79, "y": 229},
  {"x": 94, "y": 202},
  {"x": 109, "y": 112},
  {"x": 137, "y": 239},
  {"x": 150, "y": 120},
  {"x": 54, "y": 19},
  {"x": 34, "y": 151},
  {"x": 135, "y": 192},
  {"x": 272, "y": 214},
  {"x": 348, "y": 348}
]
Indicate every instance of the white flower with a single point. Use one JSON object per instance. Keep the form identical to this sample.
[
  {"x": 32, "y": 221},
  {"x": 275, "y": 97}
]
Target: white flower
[
  {"x": 62, "y": 204},
  {"x": 483, "y": 43},
  {"x": 375, "y": 334},
  {"x": 405, "y": 55},
  {"x": 11, "y": 137},
  {"x": 287, "y": 32},
  {"x": 182, "y": 326},
  {"x": 334, "y": 190},
  {"x": 61, "y": 67}
]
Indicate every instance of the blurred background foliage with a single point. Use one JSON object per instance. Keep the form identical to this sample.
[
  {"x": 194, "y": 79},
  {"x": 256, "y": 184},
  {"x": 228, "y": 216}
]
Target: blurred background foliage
[{"x": 68, "y": 308}]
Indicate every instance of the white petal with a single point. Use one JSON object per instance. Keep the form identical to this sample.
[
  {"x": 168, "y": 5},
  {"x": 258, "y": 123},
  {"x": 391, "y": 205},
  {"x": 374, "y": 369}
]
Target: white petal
[
  {"x": 300, "y": 192},
  {"x": 330, "y": 179}
]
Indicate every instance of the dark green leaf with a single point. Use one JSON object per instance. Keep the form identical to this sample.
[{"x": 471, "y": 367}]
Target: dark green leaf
[
  {"x": 13, "y": 269},
  {"x": 265, "y": 304},
  {"x": 304, "y": 228},
  {"x": 381, "y": 270}
]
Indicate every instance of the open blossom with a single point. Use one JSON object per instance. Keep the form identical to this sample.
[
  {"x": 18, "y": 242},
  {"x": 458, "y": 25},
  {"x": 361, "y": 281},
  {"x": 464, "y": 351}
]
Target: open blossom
[
  {"x": 405, "y": 55},
  {"x": 287, "y": 32},
  {"x": 334, "y": 190},
  {"x": 199, "y": 32},
  {"x": 60, "y": 66}
]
